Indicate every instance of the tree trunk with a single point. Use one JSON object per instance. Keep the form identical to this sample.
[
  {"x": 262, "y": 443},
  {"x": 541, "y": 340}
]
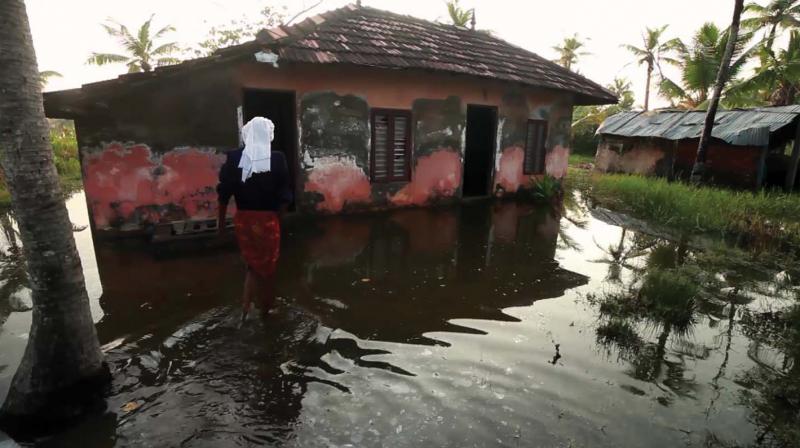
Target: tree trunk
[
  {"x": 63, "y": 356},
  {"x": 791, "y": 174},
  {"x": 722, "y": 77},
  {"x": 647, "y": 87}
]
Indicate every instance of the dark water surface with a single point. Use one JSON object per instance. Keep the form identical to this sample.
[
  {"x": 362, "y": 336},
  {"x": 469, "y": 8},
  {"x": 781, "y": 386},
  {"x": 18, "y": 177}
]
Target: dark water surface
[{"x": 481, "y": 325}]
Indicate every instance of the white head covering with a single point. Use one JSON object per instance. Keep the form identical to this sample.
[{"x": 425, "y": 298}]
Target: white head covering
[{"x": 257, "y": 135}]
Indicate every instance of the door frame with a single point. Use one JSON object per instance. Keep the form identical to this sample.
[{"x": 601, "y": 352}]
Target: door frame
[
  {"x": 491, "y": 168},
  {"x": 295, "y": 140}
]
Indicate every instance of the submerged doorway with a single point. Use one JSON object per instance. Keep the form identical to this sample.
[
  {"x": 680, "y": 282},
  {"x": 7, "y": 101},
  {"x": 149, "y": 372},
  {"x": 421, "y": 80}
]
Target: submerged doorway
[
  {"x": 479, "y": 150},
  {"x": 278, "y": 106}
]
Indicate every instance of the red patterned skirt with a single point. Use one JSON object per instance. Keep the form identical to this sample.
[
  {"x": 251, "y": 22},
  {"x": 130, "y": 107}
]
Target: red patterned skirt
[{"x": 259, "y": 236}]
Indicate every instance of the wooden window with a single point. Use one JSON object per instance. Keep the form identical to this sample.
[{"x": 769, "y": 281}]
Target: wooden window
[
  {"x": 391, "y": 145},
  {"x": 535, "y": 148}
]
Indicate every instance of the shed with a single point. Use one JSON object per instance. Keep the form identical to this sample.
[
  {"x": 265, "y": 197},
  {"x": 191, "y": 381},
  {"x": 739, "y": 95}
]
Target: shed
[
  {"x": 749, "y": 147},
  {"x": 372, "y": 109}
]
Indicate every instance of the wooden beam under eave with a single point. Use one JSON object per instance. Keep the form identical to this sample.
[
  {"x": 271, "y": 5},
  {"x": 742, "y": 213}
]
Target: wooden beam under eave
[{"x": 794, "y": 161}]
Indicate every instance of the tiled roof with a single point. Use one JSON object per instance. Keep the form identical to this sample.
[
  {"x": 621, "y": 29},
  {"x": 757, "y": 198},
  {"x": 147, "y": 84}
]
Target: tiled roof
[{"x": 375, "y": 38}]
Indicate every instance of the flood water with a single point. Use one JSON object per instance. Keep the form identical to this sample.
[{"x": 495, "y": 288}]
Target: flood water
[{"x": 488, "y": 324}]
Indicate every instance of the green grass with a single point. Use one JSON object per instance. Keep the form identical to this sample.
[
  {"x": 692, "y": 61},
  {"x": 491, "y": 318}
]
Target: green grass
[
  {"x": 65, "y": 152},
  {"x": 576, "y": 159},
  {"x": 756, "y": 217}
]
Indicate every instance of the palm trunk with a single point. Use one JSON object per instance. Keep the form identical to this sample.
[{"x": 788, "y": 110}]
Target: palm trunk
[
  {"x": 794, "y": 161},
  {"x": 722, "y": 77},
  {"x": 647, "y": 87},
  {"x": 62, "y": 352}
]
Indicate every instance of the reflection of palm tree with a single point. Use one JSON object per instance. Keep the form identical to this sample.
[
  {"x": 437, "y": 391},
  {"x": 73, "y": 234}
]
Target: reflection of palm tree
[
  {"x": 662, "y": 301},
  {"x": 776, "y": 405}
]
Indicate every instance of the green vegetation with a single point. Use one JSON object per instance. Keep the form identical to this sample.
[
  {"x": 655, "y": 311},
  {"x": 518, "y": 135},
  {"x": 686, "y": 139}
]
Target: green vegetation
[
  {"x": 570, "y": 51},
  {"x": 699, "y": 61},
  {"x": 754, "y": 218},
  {"x": 458, "y": 16},
  {"x": 649, "y": 55},
  {"x": 546, "y": 190},
  {"x": 141, "y": 50},
  {"x": 577, "y": 159},
  {"x": 65, "y": 152},
  {"x": 238, "y": 31},
  {"x": 586, "y": 119}
]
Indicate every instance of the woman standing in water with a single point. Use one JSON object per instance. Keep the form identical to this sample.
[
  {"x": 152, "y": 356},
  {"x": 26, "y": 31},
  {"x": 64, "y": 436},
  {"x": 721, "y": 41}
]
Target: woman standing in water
[{"x": 258, "y": 179}]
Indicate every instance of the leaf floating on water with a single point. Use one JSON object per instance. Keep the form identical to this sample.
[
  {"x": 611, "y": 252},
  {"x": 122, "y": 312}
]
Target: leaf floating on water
[{"x": 130, "y": 406}]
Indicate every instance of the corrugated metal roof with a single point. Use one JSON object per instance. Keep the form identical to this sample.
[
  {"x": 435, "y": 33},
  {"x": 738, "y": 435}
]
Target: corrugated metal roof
[{"x": 740, "y": 127}]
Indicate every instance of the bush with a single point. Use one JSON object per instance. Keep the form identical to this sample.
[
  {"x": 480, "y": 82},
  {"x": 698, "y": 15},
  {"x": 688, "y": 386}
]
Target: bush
[{"x": 546, "y": 189}]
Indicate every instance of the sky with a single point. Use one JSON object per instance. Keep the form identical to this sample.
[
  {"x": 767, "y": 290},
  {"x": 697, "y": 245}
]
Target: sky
[{"x": 66, "y": 32}]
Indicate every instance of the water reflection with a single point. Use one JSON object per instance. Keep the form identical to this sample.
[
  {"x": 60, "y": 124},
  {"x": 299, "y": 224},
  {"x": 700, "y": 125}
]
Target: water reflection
[{"x": 465, "y": 326}]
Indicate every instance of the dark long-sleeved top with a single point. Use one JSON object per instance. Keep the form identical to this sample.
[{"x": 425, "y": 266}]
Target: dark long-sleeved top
[{"x": 262, "y": 191}]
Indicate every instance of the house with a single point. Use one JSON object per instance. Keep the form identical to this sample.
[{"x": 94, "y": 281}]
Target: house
[
  {"x": 749, "y": 148},
  {"x": 373, "y": 110}
]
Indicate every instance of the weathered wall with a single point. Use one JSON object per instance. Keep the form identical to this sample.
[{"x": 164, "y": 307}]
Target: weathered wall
[
  {"x": 726, "y": 165},
  {"x": 516, "y": 108},
  {"x": 633, "y": 156},
  {"x": 438, "y": 103},
  {"x": 150, "y": 152}
]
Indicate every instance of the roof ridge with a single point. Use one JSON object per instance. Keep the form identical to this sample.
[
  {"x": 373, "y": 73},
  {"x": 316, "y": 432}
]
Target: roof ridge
[{"x": 283, "y": 33}]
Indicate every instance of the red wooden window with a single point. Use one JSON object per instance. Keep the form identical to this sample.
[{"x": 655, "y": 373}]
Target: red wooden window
[
  {"x": 535, "y": 148},
  {"x": 391, "y": 145}
]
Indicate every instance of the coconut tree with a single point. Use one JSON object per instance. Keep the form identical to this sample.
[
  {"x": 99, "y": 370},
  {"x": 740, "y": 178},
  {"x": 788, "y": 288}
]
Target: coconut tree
[
  {"x": 698, "y": 169},
  {"x": 46, "y": 75},
  {"x": 458, "y": 15},
  {"x": 649, "y": 55},
  {"x": 570, "y": 51},
  {"x": 777, "y": 79},
  {"x": 142, "y": 50},
  {"x": 777, "y": 14},
  {"x": 699, "y": 62},
  {"x": 62, "y": 352}
]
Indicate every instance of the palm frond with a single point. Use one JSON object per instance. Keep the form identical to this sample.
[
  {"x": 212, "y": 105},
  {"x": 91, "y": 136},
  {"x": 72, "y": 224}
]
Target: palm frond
[{"x": 106, "y": 58}]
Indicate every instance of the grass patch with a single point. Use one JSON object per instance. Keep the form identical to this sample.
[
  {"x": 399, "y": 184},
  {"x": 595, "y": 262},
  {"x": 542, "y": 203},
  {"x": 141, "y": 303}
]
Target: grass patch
[
  {"x": 577, "y": 159},
  {"x": 755, "y": 218},
  {"x": 65, "y": 152}
]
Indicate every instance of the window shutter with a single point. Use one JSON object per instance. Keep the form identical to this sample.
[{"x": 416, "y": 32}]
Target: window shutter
[
  {"x": 391, "y": 145},
  {"x": 400, "y": 142},
  {"x": 535, "y": 149},
  {"x": 381, "y": 147}
]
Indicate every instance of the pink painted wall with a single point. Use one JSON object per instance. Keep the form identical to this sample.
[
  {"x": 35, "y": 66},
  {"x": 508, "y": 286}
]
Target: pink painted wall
[{"x": 128, "y": 187}]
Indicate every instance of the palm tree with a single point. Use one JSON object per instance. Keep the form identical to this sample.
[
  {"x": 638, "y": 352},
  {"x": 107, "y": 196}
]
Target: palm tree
[
  {"x": 458, "y": 15},
  {"x": 698, "y": 170},
  {"x": 569, "y": 51},
  {"x": 44, "y": 76},
  {"x": 777, "y": 79},
  {"x": 142, "y": 50},
  {"x": 699, "y": 63},
  {"x": 650, "y": 55},
  {"x": 62, "y": 352},
  {"x": 778, "y": 13}
]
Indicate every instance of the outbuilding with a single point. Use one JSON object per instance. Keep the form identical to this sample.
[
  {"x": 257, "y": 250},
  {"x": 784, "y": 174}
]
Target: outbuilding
[
  {"x": 372, "y": 109},
  {"x": 750, "y": 148}
]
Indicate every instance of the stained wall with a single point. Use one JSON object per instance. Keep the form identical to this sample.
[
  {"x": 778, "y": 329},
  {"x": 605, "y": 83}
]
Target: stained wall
[{"x": 150, "y": 152}]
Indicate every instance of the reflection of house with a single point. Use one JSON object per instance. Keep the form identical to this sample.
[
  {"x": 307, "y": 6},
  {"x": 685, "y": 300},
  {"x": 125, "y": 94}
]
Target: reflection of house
[
  {"x": 373, "y": 109},
  {"x": 384, "y": 276},
  {"x": 748, "y": 148},
  {"x": 398, "y": 280}
]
